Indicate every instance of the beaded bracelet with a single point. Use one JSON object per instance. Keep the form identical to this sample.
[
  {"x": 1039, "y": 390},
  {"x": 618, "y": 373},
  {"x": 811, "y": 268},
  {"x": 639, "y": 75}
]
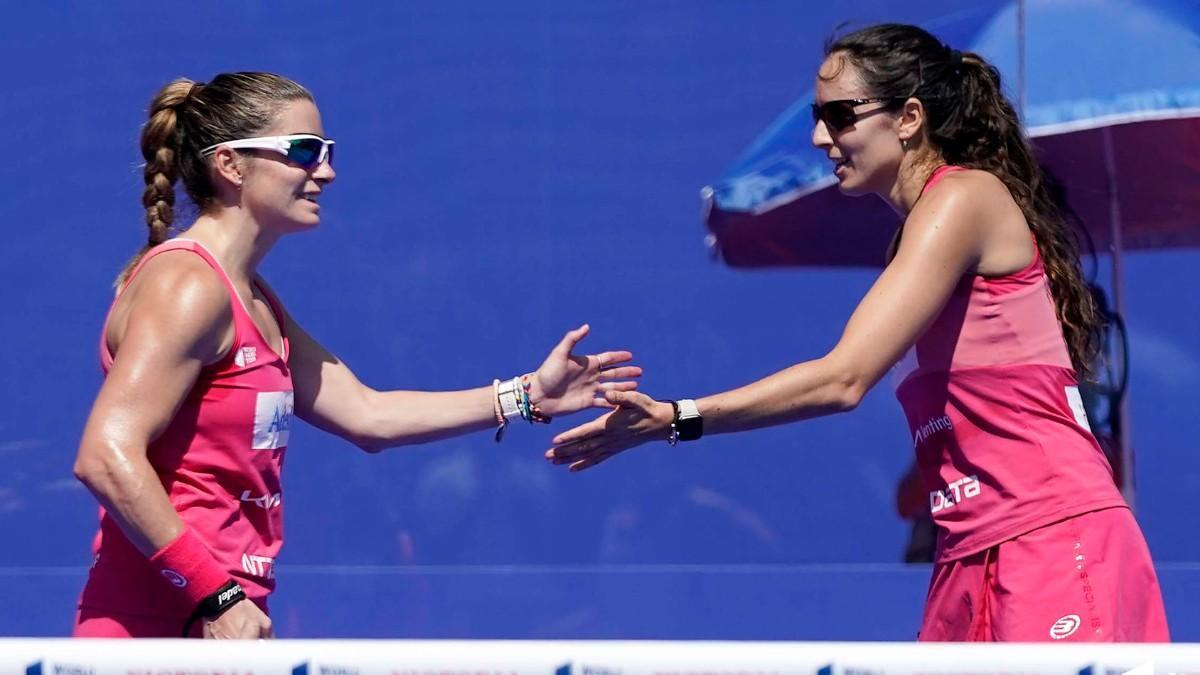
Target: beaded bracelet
[{"x": 501, "y": 421}]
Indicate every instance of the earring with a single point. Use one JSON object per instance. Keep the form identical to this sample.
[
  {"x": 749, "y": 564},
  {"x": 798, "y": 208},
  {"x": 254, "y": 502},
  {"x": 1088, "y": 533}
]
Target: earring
[{"x": 904, "y": 143}]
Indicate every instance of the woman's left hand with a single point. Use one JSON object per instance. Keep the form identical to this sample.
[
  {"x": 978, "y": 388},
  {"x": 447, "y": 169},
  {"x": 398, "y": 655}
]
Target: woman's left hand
[{"x": 566, "y": 383}]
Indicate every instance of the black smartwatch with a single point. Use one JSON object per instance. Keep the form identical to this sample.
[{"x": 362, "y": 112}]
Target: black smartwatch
[{"x": 688, "y": 425}]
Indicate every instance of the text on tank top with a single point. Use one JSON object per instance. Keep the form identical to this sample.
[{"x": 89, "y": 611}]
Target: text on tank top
[
  {"x": 219, "y": 460},
  {"x": 998, "y": 425}
]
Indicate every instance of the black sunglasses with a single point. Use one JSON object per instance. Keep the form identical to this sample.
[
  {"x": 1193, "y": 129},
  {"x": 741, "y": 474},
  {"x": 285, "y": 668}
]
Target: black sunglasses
[{"x": 838, "y": 115}]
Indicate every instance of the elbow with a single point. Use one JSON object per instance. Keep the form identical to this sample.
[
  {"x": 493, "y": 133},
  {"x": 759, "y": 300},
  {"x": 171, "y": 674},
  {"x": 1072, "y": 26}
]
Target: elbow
[
  {"x": 851, "y": 396},
  {"x": 93, "y": 469},
  {"x": 371, "y": 446},
  {"x": 849, "y": 391}
]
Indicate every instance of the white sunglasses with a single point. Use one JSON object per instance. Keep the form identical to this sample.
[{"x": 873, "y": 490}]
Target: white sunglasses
[{"x": 306, "y": 150}]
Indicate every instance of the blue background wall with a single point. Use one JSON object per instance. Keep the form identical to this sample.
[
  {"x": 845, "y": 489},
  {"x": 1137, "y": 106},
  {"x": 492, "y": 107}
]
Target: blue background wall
[{"x": 569, "y": 140}]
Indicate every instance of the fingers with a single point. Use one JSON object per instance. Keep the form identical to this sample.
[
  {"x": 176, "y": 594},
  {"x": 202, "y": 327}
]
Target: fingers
[
  {"x": 621, "y": 372},
  {"x": 576, "y": 450},
  {"x": 607, "y": 360},
  {"x": 589, "y": 462},
  {"x": 621, "y": 395},
  {"x": 579, "y": 433},
  {"x": 565, "y": 346},
  {"x": 617, "y": 386}
]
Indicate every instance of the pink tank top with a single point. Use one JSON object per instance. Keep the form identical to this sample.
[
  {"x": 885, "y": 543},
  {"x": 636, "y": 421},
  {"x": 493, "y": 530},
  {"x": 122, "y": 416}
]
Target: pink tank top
[
  {"x": 1001, "y": 437},
  {"x": 219, "y": 460}
]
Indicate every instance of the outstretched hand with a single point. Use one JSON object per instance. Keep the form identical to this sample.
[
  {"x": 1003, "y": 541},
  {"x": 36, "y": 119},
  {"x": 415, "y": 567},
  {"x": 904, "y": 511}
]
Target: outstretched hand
[
  {"x": 566, "y": 383},
  {"x": 636, "y": 419}
]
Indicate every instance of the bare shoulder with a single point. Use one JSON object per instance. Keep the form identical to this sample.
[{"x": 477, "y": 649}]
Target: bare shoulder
[
  {"x": 176, "y": 298},
  {"x": 971, "y": 189}
]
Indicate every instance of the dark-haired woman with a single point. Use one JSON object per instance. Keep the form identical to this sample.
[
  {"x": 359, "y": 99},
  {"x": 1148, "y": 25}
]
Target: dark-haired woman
[
  {"x": 984, "y": 319},
  {"x": 205, "y": 370}
]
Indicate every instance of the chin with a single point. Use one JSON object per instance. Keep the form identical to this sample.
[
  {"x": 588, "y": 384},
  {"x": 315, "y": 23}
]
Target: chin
[{"x": 852, "y": 189}]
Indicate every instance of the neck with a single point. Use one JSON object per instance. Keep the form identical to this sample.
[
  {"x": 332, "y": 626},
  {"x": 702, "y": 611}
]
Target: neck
[
  {"x": 915, "y": 170},
  {"x": 238, "y": 242}
]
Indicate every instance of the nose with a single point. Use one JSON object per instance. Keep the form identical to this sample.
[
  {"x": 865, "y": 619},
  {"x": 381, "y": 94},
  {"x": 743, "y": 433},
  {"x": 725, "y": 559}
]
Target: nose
[
  {"x": 821, "y": 137},
  {"x": 324, "y": 172}
]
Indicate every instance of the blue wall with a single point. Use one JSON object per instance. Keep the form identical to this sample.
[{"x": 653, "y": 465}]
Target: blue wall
[{"x": 568, "y": 140}]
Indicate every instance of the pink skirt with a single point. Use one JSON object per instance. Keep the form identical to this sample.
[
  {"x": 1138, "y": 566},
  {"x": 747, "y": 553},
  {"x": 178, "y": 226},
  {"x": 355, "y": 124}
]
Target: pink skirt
[{"x": 1088, "y": 578}]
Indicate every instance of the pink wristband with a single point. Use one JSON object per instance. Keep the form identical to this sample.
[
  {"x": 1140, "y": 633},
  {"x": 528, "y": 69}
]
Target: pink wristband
[{"x": 187, "y": 565}]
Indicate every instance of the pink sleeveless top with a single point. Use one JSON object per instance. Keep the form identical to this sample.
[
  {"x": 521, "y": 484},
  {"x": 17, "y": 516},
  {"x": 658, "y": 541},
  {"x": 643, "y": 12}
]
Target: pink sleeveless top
[
  {"x": 1002, "y": 440},
  {"x": 219, "y": 460}
]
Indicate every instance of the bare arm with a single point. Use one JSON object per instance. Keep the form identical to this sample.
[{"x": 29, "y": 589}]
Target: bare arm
[
  {"x": 331, "y": 397},
  {"x": 179, "y": 319},
  {"x": 943, "y": 240}
]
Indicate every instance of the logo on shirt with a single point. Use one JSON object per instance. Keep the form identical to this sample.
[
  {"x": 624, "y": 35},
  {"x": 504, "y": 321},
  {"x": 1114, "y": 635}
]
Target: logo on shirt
[
  {"x": 245, "y": 356},
  {"x": 258, "y": 565},
  {"x": 266, "y": 502},
  {"x": 1064, "y": 627},
  {"x": 955, "y": 493},
  {"x": 175, "y": 578},
  {"x": 272, "y": 419},
  {"x": 930, "y": 428}
]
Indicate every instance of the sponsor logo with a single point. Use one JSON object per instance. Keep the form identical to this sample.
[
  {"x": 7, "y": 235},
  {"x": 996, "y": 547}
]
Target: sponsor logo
[
  {"x": 245, "y": 356},
  {"x": 582, "y": 669},
  {"x": 175, "y": 578},
  {"x": 258, "y": 565},
  {"x": 930, "y": 428},
  {"x": 267, "y": 502},
  {"x": 272, "y": 419},
  {"x": 320, "y": 669},
  {"x": 955, "y": 493},
  {"x": 225, "y": 596},
  {"x": 834, "y": 669},
  {"x": 1065, "y": 627},
  {"x": 50, "y": 668}
]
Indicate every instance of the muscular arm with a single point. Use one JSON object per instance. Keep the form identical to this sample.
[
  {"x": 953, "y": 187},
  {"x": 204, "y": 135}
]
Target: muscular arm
[
  {"x": 944, "y": 238},
  {"x": 942, "y": 242},
  {"x": 178, "y": 320},
  {"x": 330, "y": 396}
]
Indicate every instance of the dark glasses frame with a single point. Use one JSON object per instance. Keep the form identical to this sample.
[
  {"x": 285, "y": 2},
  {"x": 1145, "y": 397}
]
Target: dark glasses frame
[{"x": 839, "y": 114}]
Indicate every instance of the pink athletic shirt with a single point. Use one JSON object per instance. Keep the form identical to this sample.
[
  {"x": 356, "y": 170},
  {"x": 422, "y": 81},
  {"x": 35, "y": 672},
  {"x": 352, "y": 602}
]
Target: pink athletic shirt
[
  {"x": 1002, "y": 440},
  {"x": 219, "y": 460}
]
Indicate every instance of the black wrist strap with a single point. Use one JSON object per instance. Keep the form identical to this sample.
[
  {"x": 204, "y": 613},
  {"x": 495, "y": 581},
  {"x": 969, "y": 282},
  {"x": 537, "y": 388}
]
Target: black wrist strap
[{"x": 216, "y": 604}]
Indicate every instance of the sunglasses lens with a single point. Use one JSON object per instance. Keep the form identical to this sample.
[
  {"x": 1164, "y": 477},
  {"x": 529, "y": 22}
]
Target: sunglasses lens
[
  {"x": 305, "y": 151},
  {"x": 838, "y": 115}
]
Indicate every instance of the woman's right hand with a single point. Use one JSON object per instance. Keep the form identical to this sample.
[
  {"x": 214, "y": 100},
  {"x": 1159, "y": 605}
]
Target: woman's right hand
[
  {"x": 637, "y": 419},
  {"x": 243, "y": 621}
]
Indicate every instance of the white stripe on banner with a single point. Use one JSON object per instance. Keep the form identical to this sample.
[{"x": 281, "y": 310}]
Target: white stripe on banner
[{"x": 489, "y": 657}]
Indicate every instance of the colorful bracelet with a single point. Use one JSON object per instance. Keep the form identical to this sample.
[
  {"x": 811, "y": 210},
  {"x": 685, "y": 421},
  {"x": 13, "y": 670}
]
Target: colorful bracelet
[
  {"x": 535, "y": 414},
  {"x": 501, "y": 421}
]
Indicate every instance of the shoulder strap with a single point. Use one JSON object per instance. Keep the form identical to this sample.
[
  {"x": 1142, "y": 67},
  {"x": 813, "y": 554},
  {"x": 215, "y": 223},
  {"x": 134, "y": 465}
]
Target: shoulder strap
[{"x": 106, "y": 357}]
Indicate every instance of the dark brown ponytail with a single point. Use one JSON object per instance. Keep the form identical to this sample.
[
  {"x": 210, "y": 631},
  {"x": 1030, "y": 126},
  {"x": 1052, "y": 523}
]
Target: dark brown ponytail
[{"x": 972, "y": 124}]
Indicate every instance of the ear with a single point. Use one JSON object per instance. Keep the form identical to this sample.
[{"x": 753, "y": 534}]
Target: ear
[
  {"x": 910, "y": 123},
  {"x": 227, "y": 167}
]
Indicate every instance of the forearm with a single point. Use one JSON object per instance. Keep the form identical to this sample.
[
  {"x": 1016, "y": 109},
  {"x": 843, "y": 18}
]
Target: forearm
[
  {"x": 413, "y": 417},
  {"x": 129, "y": 489},
  {"x": 805, "y": 390}
]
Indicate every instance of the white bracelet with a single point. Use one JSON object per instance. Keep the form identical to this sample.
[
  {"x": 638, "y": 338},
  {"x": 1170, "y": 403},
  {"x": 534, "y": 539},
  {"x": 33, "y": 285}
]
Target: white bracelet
[{"x": 507, "y": 392}]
